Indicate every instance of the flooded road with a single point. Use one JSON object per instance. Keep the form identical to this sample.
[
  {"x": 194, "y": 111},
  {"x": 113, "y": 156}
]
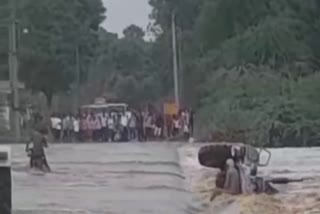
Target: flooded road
[
  {"x": 151, "y": 178},
  {"x": 103, "y": 179}
]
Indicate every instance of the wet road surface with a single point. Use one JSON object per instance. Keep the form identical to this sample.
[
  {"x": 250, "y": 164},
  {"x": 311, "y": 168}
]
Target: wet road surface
[
  {"x": 148, "y": 178},
  {"x": 102, "y": 179}
]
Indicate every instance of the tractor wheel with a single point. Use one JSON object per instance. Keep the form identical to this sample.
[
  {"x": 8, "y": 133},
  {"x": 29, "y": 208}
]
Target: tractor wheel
[{"x": 214, "y": 156}]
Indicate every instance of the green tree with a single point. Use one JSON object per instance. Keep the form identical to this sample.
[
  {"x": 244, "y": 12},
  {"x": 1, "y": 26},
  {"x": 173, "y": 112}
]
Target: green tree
[
  {"x": 133, "y": 32},
  {"x": 4, "y": 35},
  {"x": 248, "y": 63},
  {"x": 126, "y": 66},
  {"x": 56, "y": 30}
]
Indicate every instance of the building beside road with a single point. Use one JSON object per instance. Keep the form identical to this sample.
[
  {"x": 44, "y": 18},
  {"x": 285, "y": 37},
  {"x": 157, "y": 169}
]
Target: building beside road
[{"x": 5, "y": 105}]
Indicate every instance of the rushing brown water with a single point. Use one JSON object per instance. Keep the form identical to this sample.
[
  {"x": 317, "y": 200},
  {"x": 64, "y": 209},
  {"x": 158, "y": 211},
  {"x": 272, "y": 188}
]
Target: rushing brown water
[
  {"x": 153, "y": 178},
  {"x": 296, "y": 198},
  {"x": 104, "y": 178}
]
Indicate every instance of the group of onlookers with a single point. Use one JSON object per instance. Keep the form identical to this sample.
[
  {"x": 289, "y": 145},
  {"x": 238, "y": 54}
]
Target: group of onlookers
[
  {"x": 118, "y": 126},
  {"x": 181, "y": 124},
  {"x": 90, "y": 126}
]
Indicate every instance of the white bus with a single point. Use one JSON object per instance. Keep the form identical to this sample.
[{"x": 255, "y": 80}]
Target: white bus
[{"x": 107, "y": 107}]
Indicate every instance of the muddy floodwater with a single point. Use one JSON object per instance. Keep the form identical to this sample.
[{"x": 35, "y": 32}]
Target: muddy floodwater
[
  {"x": 295, "y": 198},
  {"x": 104, "y": 178},
  {"x": 152, "y": 178}
]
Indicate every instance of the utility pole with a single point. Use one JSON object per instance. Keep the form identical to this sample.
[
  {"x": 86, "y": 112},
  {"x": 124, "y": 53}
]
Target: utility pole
[
  {"x": 13, "y": 71},
  {"x": 180, "y": 65},
  {"x": 77, "y": 92},
  {"x": 175, "y": 61}
]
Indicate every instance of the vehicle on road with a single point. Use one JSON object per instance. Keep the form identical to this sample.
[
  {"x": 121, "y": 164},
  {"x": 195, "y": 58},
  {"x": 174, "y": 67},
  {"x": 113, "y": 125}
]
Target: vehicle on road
[
  {"x": 216, "y": 155},
  {"x": 107, "y": 107}
]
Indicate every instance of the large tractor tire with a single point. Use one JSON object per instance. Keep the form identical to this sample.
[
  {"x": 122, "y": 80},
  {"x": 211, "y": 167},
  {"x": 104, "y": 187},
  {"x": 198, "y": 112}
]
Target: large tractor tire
[
  {"x": 5, "y": 190},
  {"x": 214, "y": 156}
]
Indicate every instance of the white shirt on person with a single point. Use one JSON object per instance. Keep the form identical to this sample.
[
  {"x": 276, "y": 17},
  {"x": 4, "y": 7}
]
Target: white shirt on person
[
  {"x": 185, "y": 128},
  {"x": 56, "y": 123},
  {"x": 76, "y": 125},
  {"x": 132, "y": 121},
  {"x": 148, "y": 122},
  {"x": 110, "y": 123},
  {"x": 124, "y": 120},
  {"x": 176, "y": 124},
  {"x": 104, "y": 120},
  {"x": 128, "y": 114}
]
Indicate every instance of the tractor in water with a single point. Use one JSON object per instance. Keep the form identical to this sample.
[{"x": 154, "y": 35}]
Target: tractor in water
[
  {"x": 5, "y": 180},
  {"x": 216, "y": 156}
]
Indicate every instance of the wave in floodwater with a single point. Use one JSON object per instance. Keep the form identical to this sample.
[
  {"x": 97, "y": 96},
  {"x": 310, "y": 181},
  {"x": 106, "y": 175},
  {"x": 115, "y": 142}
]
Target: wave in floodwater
[
  {"x": 46, "y": 211},
  {"x": 112, "y": 163},
  {"x": 95, "y": 179},
  {"x": 154, "y": 178},
  {"x": 296, "y": 198}
]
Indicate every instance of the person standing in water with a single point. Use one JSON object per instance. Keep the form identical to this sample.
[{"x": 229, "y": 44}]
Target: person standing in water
[
  {"x": 227, "y": 180},
  {"x": 37, "y": 155},
  {"x": 232, "y": 183}
]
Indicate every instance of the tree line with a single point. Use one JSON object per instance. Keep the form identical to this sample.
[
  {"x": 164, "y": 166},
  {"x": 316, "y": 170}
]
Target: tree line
[{"x": 248, "y": 68}]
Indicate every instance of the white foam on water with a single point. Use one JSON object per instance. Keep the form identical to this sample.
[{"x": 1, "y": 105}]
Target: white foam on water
[
  {"x": 104, "y": 178},
  {"x": 299, "y": 198},
  {"x": 146, "y": 178}
]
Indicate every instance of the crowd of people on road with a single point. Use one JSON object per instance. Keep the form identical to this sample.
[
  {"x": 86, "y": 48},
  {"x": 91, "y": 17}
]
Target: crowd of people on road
[
  {"x": 120, "y": 126},
  {"x": 105, "y": 126}
]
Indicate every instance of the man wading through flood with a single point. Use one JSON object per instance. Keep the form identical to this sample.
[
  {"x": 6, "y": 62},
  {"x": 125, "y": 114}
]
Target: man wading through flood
[
  {"x": 37, "y": 155},
  {"x": 234, "y": 179},
  {"x": 232, "y": 183},
  {"x": 228, "y": 180}
]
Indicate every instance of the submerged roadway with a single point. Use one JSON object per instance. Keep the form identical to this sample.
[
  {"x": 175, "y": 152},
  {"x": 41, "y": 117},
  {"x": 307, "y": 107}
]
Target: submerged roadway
[
  {"x": 137, "y": 178},
  {"x": 133, "y": 178}
]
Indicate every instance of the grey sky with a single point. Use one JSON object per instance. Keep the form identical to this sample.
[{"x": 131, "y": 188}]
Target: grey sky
[{"x": 122, "y": 13}]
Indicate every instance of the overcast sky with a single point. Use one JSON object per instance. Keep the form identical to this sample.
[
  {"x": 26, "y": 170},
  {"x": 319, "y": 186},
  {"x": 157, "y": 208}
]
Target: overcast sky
[{"x": 122, "y": 13}]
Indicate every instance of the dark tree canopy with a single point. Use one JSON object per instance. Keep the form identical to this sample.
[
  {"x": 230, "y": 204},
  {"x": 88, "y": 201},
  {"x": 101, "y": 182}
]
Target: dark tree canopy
[
  {"x": 244, "y": 66},
  {"x": 248, "y": 64},
  {"x": 133, "y": 32},
  {"x": 55, "y": 30}
]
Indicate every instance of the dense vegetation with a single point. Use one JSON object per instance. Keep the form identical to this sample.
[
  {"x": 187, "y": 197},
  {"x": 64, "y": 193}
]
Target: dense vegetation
[
  {"x": 56, "y": 29},
  {"x": 253, "y": 67},
  {"x": 249, "y": 68}
]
